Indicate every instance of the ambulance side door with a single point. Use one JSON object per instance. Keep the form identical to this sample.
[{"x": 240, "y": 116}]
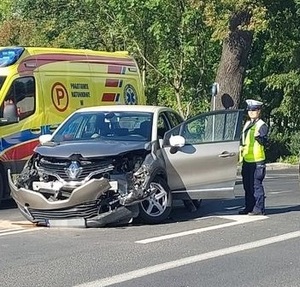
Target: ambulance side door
[{"x": 19, "y": 137}]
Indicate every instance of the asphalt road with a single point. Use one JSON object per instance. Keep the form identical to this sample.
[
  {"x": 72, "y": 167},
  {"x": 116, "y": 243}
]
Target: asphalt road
[{"x": 211, "y": 247}]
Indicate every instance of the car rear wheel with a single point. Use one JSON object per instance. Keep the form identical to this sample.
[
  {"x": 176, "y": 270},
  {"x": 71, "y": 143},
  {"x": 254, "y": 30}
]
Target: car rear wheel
[{"x": 157, "y": 207}]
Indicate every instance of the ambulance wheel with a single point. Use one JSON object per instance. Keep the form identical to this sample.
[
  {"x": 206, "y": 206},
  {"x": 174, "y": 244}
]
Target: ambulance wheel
[{"x": 157, "y": 207}]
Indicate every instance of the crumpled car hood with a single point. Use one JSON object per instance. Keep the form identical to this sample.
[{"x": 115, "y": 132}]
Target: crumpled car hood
[{"x": 89, "y": 148}]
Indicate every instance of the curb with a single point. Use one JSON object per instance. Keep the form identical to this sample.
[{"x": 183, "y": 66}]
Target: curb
[{"x": 276, "y": 166}]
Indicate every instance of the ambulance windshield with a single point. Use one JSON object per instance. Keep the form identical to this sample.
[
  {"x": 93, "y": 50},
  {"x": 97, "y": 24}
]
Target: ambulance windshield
[{"x": 10, "y": 55}]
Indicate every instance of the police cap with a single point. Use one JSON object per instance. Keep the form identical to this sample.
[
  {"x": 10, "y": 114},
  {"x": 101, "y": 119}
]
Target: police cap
[{"x": 253, "y": 105}]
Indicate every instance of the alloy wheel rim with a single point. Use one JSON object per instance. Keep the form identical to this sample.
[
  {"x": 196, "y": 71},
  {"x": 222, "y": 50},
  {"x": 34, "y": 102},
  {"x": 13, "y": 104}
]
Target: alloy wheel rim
[{"x": 156, "y": 204}]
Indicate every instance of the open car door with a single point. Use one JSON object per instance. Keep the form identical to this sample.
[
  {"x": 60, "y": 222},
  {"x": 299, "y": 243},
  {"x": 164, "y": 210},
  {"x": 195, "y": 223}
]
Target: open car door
[{"x": 201, "y": 155}]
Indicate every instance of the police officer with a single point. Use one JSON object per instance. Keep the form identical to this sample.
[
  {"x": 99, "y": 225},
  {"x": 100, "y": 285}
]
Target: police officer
[{"x": 253, "y": 142}]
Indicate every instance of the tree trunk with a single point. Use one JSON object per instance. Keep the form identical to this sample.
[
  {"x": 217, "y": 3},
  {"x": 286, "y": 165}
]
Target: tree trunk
[{"x": 233, "y": 63}]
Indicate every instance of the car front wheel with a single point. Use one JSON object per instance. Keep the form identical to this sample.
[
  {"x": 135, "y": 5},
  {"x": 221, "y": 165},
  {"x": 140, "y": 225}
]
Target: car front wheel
[{"x": 157, "y": 207}]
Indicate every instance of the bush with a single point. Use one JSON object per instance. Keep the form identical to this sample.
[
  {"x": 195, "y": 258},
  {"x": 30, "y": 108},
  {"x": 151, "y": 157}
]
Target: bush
[
  {"x": 292, "y": 159},
  {"x": 278, "y": 147},
  {"x": 294, "y": 145},
  {"x": 283, "y": 147}
]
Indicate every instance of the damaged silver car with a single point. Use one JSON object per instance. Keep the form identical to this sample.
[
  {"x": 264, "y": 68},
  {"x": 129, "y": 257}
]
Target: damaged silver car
[{"x": 111, "y": 164}]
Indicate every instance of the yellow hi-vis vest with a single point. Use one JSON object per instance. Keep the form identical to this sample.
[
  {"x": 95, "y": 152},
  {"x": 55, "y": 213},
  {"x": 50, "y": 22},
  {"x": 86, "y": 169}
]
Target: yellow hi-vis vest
[{"x": 252, "y": 150}]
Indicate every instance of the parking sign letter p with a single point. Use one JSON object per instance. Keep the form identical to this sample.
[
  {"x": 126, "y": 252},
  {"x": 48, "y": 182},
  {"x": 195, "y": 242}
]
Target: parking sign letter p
[{"x": 59, "y": 95}]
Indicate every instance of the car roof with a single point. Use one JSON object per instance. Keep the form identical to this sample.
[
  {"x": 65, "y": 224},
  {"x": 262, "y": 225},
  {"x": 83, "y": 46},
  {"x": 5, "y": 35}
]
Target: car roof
[{"x": 129, "y": 108}]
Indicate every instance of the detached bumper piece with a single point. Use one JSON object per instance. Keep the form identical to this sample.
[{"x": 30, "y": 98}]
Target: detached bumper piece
[
  {"x": 81, "y": 209},
  {"x": 114, "y": 217}
]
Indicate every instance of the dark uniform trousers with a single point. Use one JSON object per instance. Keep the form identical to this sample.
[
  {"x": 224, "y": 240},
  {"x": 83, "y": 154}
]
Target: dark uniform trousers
[{"x": 253, "y": 174}]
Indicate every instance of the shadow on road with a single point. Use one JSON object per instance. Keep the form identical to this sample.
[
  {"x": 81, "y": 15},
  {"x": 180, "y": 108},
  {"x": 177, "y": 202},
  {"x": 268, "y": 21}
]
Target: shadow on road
[
  {"x": 8, "y": 204},
  {"x": 277, "y": 210},
  {"x": 208, "y": 208},
  {"x": 221, "y": 207}
]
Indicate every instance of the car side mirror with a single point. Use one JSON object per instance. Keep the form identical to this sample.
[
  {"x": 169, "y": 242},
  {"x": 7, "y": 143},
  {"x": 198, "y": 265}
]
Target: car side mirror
[
  {"x": 10, "y": 114},
  {"x": 44, "y": 138},
  {"x": 177, "y": 141}
]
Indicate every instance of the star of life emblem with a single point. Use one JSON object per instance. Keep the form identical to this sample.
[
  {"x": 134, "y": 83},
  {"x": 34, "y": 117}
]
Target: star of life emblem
[
  {"x": 74, "y": 170},
  {"x": 130, "y": 95}
]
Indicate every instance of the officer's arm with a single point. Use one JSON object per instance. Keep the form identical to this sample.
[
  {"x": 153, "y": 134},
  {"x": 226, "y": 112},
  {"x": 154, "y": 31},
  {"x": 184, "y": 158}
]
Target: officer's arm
[{"x": 262, "y": 138}]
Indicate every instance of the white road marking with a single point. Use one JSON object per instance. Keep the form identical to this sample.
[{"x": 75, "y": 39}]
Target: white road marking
[
  {"x": 15, "y": 227},
  {"x": 14, "y": 224},
  {"x": 116, "y": 279},
  {"x": 237, "y": 219},
  {"x": 233, "y": 207},
  {"x": 5, "y": 230},
  {"x": 11, "y": 232},
  {"x": 279, "y": 192}
]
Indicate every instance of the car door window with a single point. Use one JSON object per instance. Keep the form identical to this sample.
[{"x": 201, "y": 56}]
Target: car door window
[
  {"x": 174, "y": 119},
  {"x": 210, "y": 127},
  {"x": 162, "y": 125}
]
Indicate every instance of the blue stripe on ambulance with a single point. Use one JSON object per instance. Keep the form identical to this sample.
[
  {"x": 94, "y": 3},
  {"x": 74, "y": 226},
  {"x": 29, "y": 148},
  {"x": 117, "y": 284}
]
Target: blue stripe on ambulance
[{"x": 18, "y": 138}]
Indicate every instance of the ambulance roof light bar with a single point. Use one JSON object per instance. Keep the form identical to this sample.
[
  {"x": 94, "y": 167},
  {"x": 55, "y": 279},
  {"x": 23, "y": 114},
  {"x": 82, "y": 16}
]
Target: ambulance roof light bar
[{"x": 9, "y": 55}]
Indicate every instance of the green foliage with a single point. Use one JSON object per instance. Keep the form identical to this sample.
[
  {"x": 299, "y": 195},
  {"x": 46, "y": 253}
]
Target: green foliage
[
  {"x": 294, "y": 144},
  {"x": 174, "y": 44},
  {"x": 5, "y": 9},
  {"x": 289, "y": 107},
  {"x": 277, "y": 147},
  {"x": 173, "y": 47},
  {"x": 64, "y": 23},
  {"x": 293, "y": 159},
  {"x": 283, "y": 146},
  {"x": 273, "y": 76},
  {"x": 168, "y": 38},
  {"x": 219, "y": 14}
]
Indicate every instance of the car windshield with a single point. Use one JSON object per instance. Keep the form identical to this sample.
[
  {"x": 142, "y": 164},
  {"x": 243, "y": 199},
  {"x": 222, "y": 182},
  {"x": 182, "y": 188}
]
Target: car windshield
[{"x": 121, "y": 126}]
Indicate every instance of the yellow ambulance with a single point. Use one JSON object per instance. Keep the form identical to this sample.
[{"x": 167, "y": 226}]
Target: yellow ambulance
[{"x": 40, "y": 87}]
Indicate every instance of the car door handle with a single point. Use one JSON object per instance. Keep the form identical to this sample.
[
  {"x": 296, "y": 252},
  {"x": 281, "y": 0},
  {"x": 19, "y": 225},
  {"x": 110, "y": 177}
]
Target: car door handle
[{"x": 227, "y": 154}]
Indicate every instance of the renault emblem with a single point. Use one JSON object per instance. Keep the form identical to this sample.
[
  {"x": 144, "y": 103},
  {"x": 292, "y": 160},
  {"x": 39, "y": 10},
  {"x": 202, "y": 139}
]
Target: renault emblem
[{"x": 74, "y": 170}]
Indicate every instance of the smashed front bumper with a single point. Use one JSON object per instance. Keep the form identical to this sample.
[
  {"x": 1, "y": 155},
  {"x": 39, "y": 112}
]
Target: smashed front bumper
[{"x": 81, "y": 208}]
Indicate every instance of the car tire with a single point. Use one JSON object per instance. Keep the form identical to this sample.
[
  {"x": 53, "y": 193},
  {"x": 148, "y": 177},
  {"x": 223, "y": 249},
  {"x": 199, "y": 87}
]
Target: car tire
[{"x": 157, "y": 207}]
